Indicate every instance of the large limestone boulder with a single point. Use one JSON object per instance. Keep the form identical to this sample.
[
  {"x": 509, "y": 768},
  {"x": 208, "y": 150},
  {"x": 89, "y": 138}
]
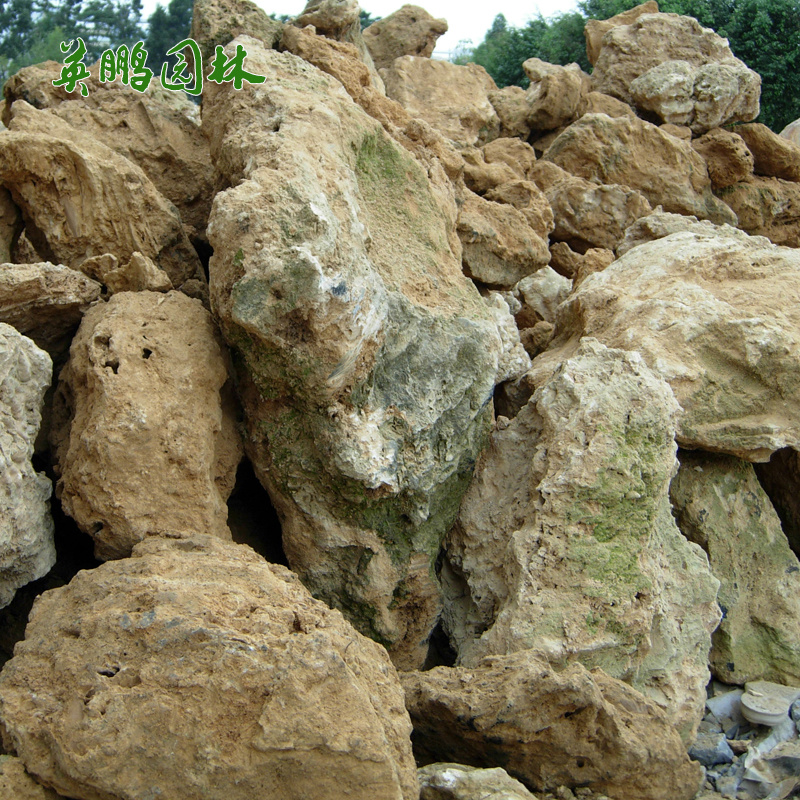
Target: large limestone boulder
[
  {"x": 196, "y": 669},
  {"x": 16, "y": 784},
  {"x": 144, "y": 430},
  {"x": 367, "y": 358},
  {"x": 707, "y": 308},
  {"x": 83, "y": 199},
  {"x": 634, "y": 153},
  {"x": 454, "y": 99},
  {"x": 27, "y": 551},
  {"x": 720, "y": 505},
  {"x": 45, "y": 302},
  {"x": 409, "y": 31},
  {"x": 556, "y": 94},
  {"x": 549, "y": 729},
  {"x": 727, "y": 157},
  {"x": 596, "y": 29},
  {"x": 566, "y": 542},
  {"x": 767, "y": 207}
]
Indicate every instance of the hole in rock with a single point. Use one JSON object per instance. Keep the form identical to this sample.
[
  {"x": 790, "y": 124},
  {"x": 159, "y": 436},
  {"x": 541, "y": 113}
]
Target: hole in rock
[
  {"x": 780, "y": 479},
  {"x": 252, "y": 518},
  {"x": 204, "y": 251},
  {"x": 440, "y": 651},
  {"x": 146, "y": 353}
]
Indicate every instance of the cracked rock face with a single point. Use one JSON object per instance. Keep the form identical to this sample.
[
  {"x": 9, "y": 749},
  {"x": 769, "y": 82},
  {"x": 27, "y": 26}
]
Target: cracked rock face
[
  {"x": 27, "y": 551},
  {"x": 195, "y": 669}
]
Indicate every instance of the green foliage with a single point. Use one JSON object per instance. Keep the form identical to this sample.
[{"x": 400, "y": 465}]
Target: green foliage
[
  {"x": 167, "y": 27},
  {"x": 367, "y": 19}
]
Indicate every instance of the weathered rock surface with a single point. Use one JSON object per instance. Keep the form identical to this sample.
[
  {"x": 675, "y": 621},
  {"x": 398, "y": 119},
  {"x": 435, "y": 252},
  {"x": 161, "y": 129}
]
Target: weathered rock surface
[
  {"x": 727, "y": 157},
  {"x": 596, "y": 29},
  {"x": 774, "y": 155},
  {"x": 577, "y": 266},
  {"x": 80, "y": 199},
  {"x": 145, "y": 433},
  {"x": 195, "y": 669},
  {"x": 409, "y": 31},
  {"x": 367, "y": 358},
  {"x": 767, "y": 207},
  {"x": 566, "y": 541},
  {"x": 555, "y": 95},
  {"x": 574, "y": 728},
  {"x": 511, "y": 106},
  {"x": 453, "y": 99},
  {"x": 634, "y": 153},
  {"x": 792, "y": 132},
  {"x": 27, "y": 551},
  {"x": 720, "y": 505},
  {"x": 16, "y": 784},
  {"x": 45, "y": 302},
  {"x": 10, "y": 225},
  {"x": 460, "y": 782},
  {"x": 540, "y": 295},
  {"x": 138, "y": 275},
  {"x": 713, "y": 312}
]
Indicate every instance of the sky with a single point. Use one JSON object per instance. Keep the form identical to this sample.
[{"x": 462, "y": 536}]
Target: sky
[{"x": 468, "y": 19}]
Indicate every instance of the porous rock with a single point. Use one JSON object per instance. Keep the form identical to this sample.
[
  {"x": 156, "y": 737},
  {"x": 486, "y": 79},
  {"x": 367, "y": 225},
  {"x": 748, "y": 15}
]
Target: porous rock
[
  {"x": 566, "y": 543},
  {"x": 144, "y": 430},
  {"x": 577, "y": 266},
  {"x": 539, "y": 296},
  {"x": 548, "y": 729},
  {"x": 713, "y": 311},
  {"x": 442, "y": 781},
  {"x": 27, "y": 551},
  {"x": 634, "y": 153},
  {"x": 775, "y": 156},
  {"x": 409, "y": 31},
  {"x": 596, "y": 29},
  {"x": 719, "y": 504},
  {"x": 196, "y": 669},
  {"x": 555, "y": 95},
  {"x": 727, "y": 157},
  {"x": 16, "y": 784},
  {"x": 367, "y": 358},
  {"x": 511, "y": 106},
  {"x": 767, "y": 207}
]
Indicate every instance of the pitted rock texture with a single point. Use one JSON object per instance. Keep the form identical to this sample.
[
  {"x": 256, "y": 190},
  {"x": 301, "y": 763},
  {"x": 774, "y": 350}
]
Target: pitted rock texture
[
  {"x": 556, "y": 94},
  {"x": 16, "y": 784},
  {"x": 566, "y": 542},
  {"x": 409, "y": 31},
  {"x": 727, "y": 157},
  {"x": 596, "y": 29},
  {"x": 27, "y": 551},
  {"x": 144, "y": 428},
  {"x": 549, "y": 728},
  {"x": 715, "y": 313},
  {"x": 11, "y": 225},
  {"x": 634, "y": 153},
  {"x": 444, "y": 781},
  {"x": 719, "y": 504},
  {"x": 367, "y": 358},
  {"x": 195, "y": 669}
]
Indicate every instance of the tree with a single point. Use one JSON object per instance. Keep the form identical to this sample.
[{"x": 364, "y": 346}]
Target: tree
[{"x": 166, "y": 27}]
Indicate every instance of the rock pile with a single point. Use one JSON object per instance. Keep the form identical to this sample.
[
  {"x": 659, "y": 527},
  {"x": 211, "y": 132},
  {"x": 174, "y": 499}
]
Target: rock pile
[{"x": 515, "y": 368}]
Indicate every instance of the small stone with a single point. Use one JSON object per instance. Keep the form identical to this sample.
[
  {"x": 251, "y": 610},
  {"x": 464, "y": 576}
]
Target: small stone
[
  {"x": 767, "y": 703},
  {"x": 711, "y": 749}
]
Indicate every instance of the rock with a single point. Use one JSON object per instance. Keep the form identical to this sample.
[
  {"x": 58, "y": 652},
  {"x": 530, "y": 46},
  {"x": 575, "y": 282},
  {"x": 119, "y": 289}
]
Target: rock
[
  {"x": 85, "y": 200},
  {"x": 367, "y": 359},
  {"x": 599, "y": 103},
  {"x": 588, "y": 214},
  {"x": 145, "y": 385},
  {"x": 138, "y": 275},
  {"x": 699, "y": 305},
  {"x": 679, "y": 131},
  {"x": 792, "y": 132},
  {"x": 726, "y": 155},
  {"x": 528, "y": 199},
  {"x": 27, "y": 551},
  {"x": 719, "y": 504},
  {"x": 517, "y": 155},
  {"x": 768, "y": 703},
  {"x": 628, "y": 51},
  {"x": 539, "y": 295},
  {"x": 460, "y": 782},
  {"x": 767, "y": 207},
  {"x": 573, "y": 728},
  {"x": 774, "y": 156},
  {"x": 499, "y": 247},
  {"x": 409, "y": 31},
  {"x": 45, "y": 302},
  {"x": 11, "y": 225},
  {"x": 481, "y": 177},
  {"x": 711, "y": 749},
  {"x": 450, "y": 97},
  {"x": 634, "y": 153},
  {"x": 511, "y": 106},
  {"x": 16, "y": 784},
  {"x": 702, "y": 97},
  {"x": 514, "y": 361},
  {"x": 535, "y": 340},
  {"x": 215, "y": 675},
  {"x": 577, "y": 266},
  {"x": 596, "y": 29},
  {"x": 776, "y": 774},
  {"x": 555, "y": 95},
  {"x": 577, "y": 561}
]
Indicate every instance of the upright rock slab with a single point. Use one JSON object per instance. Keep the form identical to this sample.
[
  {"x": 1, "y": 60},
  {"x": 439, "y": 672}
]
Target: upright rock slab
[
  {"x": 367, "y": 359},
  {"x": 27, "y": 551},
  {"x": 195, "y": 669},
  {"x": 144, "y": 428}
]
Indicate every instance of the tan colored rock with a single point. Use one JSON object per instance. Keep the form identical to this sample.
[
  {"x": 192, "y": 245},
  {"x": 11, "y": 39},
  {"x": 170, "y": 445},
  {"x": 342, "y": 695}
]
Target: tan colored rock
[
  {"x": 792, "y": 132},
  {"x": 527, "y": 198},
  {"x": 367, "y": 358},
  {"x": 767, "y": 207},
  {"x": 555, "y": 95},
  {"x": 517, "y": 154},
  {"x": 45, "y": 302},
  {"x": 146, "y": 384},
  {"x": 634, "y": 153},
  {"x": 409, "y": 31},
  {"x": 774, "y": 155},
  {"x": 511, "y": 106},
  {"x": 138, "y": 275},
  {"x": 679, "y": 131},
  {"x": 11, "y": 225},
  {"x": 214, "y": 674},
  {"x": 480, "y": 177},
  {"x": 700, "y": 306},
  {"x": 596, "y": 29},
  {"x": 577, "y": 266},
  {"x": 719, "y": 504},
  {"x": 499, "y": 247},
  {"x": 460, "y": 782},
  {"x": 566, "y": 541},
  {"x": 727, "y": 157},
  {"x": 599, "y": 103},
  {"x": 539, "y": 295},
  {"x": 454, "y": 99},
  {"x": 16, "y": 784},
  {"x": 85, "y": 200},
  {"x": 549, "y": 728},
  {"x": 535, "y": 340},
  {"x": 27, "y": 551}
]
